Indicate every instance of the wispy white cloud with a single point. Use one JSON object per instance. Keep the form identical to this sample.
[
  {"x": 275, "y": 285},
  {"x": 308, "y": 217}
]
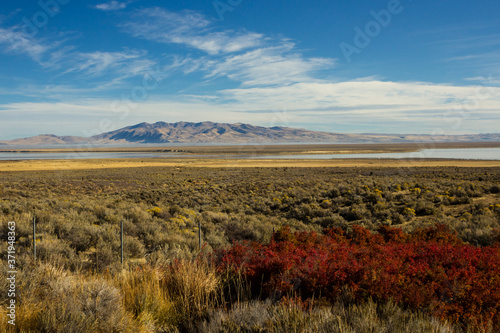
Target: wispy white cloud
[
  {"x": 16, "y": 41},
  {"x": 269, "y": 66},
  {"x": 243, "y": 56},
  {"x": 485, "y": 81},
  {"x": 250, "y": 58},
  {"x": 484, "y": 65},
  {"x": 470, "y": 42},
  {"x": 98, "y": 63},
  {"x": 67, "y": 59},
  {"x": 485, "y": 62},
  {"x": 466, "y": 48},
  {"x": 191, "y": 29},
  {"x": 6, "y": 17},
  {"x": 112, "y": 5},
  {"x": 46, "y": 92},
  {"x": 365, "y": 96}
]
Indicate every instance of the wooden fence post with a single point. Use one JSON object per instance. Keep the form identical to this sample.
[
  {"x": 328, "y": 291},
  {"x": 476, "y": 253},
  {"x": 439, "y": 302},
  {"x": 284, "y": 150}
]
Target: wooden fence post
[
  {"x": 121, "y": 242},
  {"x": 199, "y": 234},
  {"x": 34, "y": 237}
]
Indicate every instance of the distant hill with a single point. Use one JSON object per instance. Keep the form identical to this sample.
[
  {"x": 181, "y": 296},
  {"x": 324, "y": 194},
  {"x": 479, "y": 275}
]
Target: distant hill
[
  {"x": 46, "y": 139},
  {"x": 210, "y": 132}
]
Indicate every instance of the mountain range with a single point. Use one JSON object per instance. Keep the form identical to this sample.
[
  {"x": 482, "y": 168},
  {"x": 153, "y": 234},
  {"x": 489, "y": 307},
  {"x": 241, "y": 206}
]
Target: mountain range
[{"x": 210, "y": 132}]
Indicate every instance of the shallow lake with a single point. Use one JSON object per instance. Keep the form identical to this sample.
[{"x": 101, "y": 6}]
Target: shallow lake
[
  {"x": 459, "y": 154},
  {"x": 462, "y": 154},
  {"x": 76, "y": 155}
]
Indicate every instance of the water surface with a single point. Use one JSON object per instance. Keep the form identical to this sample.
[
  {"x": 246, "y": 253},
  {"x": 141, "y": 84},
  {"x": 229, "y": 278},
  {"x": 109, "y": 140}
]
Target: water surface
[{"x": 459, "y": 154}]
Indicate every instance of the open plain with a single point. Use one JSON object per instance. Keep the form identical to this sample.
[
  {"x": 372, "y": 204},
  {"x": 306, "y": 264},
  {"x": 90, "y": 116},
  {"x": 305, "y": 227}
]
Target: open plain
[{"x": 393, "y": 217}]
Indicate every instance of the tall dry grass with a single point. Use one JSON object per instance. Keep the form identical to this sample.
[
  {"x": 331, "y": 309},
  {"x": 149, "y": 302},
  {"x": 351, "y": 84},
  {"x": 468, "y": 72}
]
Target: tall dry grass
[
  {"x": 370, "y": 317},
  {"x": 51, "y": 300},
  {"x": 144, "y": 297},
  {"x": 172, "y": 297}
]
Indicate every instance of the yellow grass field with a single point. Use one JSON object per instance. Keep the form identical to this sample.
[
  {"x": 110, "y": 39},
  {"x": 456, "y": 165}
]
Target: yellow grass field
[{"x": 93, "y": 164}]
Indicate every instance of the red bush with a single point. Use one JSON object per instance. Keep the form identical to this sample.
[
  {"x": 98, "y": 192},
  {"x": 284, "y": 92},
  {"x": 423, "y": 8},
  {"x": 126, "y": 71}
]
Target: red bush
[{"x": 430, "y": 269}]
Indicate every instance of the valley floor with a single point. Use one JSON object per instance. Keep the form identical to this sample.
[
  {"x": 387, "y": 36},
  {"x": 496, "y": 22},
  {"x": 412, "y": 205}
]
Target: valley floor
[
  {"x": 357, "y": 216},
  {"x": 58, "y": 165}
]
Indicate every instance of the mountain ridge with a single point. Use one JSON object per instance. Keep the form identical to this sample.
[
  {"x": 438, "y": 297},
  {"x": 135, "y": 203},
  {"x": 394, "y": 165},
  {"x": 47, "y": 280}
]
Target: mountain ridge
[{"x": 212, "y": 132}]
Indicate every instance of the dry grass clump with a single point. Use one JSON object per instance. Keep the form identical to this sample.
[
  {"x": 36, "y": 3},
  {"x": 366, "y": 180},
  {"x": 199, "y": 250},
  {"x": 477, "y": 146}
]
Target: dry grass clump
[
  {"x": 192, "y": 287},
  {"x": 51, "y": 300},
  {"x": 260, "y": 316},
  {"x": 169, "y": 297},
  {"x": 145, "y": 298},
  {"x": 76, "y": 305}
]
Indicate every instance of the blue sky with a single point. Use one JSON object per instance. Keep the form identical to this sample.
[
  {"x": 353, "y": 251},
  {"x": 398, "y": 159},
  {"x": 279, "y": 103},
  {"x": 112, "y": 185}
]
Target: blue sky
[{"x": 84, "y": 67}]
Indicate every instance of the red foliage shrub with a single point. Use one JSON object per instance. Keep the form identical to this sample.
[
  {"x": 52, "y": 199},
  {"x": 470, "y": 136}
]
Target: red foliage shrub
[
  {"x": 392, "y": 234},
  {"x": 440, "y": 233},
  {"x": 496, "y": 237},
  {"x": 430, "y": 269}
]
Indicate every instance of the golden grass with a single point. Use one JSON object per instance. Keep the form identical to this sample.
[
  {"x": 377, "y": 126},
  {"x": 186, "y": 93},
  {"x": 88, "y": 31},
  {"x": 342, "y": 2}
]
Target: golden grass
[
  {"x": 143, "y": 299},
  {"x": 96, "y": 164}
]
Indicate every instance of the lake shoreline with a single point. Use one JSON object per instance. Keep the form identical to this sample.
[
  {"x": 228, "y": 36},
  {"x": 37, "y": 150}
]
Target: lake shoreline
[
  {"x": 96, "y": 164},
  {"x": 261, "y": 148}
]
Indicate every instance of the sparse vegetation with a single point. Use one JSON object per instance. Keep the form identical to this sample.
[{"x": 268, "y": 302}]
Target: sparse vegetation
[{"x": 167, "y": 286}]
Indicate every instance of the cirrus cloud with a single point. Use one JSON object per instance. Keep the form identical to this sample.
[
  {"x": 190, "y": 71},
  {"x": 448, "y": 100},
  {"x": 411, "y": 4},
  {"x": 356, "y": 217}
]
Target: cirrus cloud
[{"x": 112, "y": 6}]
